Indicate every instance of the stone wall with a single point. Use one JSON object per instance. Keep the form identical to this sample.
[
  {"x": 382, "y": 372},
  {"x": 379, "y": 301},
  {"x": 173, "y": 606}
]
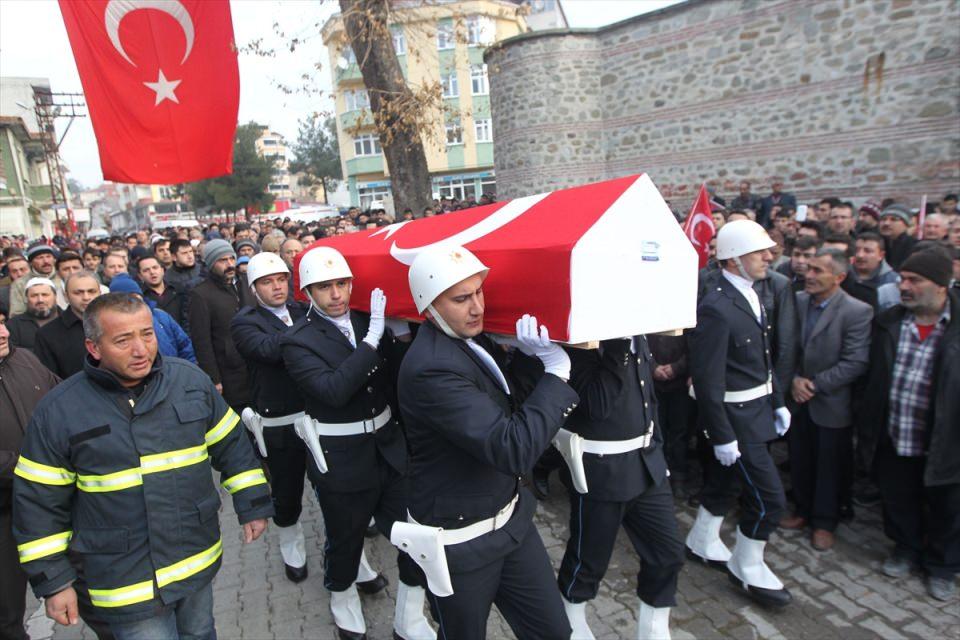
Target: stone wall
[{"x": 832, "y": 97}]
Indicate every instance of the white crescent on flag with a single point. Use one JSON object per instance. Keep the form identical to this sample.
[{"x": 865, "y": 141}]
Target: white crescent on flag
[
  {"x": 117, "y": 10},
  {"x": 698, "y": 218}
]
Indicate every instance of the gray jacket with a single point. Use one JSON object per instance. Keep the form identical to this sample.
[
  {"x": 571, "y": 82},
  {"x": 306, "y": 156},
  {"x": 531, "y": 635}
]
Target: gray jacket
[{"x": 834, "y": 355}]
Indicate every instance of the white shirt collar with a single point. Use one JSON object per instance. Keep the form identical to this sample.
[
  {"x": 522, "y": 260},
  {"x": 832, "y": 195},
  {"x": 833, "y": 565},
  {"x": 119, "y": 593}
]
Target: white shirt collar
[{"x": 745, "y": 287}]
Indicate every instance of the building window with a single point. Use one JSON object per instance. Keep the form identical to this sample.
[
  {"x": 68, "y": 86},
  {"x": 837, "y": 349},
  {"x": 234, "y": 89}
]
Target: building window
[
  {"x": 368, "y": 195},
  {"x": 488, "y": 186},
  {"x": 366, "y": 145},
  {"x": 399, "y": 41},
  {"x": 483, "y": 130},
  {"x": 445, "y": 37},
  {"x": 457, "y": 188},
  {"x": 268, "y": 142},
  {"x": 479, "y": 82},
  {"x": 348, "y": 55},
  {"x": 454, "y": 133},
  {"x": 451, "y": 88},
  {"x": 277, "y": 187},
  {"x": 356, "y": 100},
  {"x": 479, "y": 30}
]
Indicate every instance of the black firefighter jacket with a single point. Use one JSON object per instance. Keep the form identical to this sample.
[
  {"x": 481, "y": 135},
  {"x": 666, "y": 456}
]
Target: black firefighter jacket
[
  {"x": 731, "y": 351},
  {"x": 125, "y": 481},
  {"x": 470, "y": 442},
  {"x": 340, "y": 384},
  {"x": 617, "y": 402}
]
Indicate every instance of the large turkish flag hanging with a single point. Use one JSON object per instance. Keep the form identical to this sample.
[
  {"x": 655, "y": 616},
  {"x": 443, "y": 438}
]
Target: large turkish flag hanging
[
  {"x": 600, "y": 261},
  {"x": 162, "y": 85}
]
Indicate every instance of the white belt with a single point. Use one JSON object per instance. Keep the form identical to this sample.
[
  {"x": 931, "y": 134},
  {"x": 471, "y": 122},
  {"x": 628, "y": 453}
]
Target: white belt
[
  {"x": 353, "y": 428},
  {"x": 471, "y": 532},
  {"x": 280, "y": 421},
  {"x": 611, "y": 447},
  {"x": 744, "y": 395}
]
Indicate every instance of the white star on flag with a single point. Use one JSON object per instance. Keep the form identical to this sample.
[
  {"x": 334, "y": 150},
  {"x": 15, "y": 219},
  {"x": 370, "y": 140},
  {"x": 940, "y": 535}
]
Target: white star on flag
[{"x": 164, "y": 89}]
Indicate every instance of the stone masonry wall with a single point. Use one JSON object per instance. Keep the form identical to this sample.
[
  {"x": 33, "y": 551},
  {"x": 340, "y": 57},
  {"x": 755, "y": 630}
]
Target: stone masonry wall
[{"x": 857, "y": 98}]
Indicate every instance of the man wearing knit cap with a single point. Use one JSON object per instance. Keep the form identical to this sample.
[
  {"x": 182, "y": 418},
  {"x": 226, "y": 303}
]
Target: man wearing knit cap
[
  {"x": 212, "y": 305},
  {"x": 895, "y": 223},
  {"x": 247, "y": 248},
  {"x": 908, "y": 425},
  {"x": 43, "y": 260}
]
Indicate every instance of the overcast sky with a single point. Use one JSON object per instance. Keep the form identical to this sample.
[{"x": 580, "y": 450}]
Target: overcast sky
[{"x": 33, "y": 42}]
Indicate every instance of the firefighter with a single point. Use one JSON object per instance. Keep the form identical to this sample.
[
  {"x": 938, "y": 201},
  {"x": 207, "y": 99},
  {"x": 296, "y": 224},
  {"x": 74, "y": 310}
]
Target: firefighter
[{"x": 116, "y": 464}]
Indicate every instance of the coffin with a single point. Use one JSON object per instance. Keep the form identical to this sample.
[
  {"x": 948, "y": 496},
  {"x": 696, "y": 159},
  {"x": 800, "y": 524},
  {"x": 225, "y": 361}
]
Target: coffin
[{"x": 600, "y": 261}]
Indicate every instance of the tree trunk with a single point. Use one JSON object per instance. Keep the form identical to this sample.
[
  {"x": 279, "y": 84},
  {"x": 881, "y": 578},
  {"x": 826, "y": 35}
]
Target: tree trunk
[
  {"x": 323, "y": 183},
  {"x": 365, "y": 22}
]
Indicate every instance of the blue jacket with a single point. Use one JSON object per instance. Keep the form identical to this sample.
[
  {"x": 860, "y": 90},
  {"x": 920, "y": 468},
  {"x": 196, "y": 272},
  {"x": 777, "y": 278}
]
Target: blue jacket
[{"x": 172, "y": 340}]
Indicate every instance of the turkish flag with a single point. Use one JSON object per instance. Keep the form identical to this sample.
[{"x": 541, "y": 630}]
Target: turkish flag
[
  {"x": 162, "y": 85},
  {"x": 699, "y": 227},
  {"x": 600, "y": 261}
]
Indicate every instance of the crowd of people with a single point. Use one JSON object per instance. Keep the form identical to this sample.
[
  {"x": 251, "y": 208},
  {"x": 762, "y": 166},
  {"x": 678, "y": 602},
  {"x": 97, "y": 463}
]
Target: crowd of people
[{"x": 128, "y": 360}]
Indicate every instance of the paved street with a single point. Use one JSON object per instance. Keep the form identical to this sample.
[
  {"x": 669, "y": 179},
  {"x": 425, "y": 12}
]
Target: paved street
[{"x": 838, "y": 594}]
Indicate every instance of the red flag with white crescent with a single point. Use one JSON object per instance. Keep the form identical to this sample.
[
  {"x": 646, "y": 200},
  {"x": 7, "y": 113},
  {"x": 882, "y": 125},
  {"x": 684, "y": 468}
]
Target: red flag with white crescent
[
  {"x": 162, "y": 85},
  {"x": 699, "y": 226}
]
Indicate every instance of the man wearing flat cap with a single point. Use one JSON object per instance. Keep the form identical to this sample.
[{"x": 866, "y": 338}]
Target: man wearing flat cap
[
  {"x": 43, "y": 261},
  {"x": 895, "y": 223},
  {"x": 212, "y": 305},
  {"x": 908, "y": 426}
]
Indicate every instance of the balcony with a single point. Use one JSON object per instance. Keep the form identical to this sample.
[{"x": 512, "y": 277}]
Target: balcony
[{"x": 364, "y": 164}]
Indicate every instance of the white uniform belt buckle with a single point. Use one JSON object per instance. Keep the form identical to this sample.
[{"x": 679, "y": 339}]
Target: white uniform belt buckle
[{"x": 353, "y": 428}]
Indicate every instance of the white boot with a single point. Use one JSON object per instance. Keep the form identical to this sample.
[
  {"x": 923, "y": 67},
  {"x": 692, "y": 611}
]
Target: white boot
[
  {"x": 704, "y": 541},
  {"x": 751, "y": 573},
  {"x": 577, "y": 615},
  {"x": 292, "y": 545},
  {"x": 653, "y": 623},
  {"x": 408, "y": 620},
  {"x": 346, "y": 610},
  {"x": 365, "y": 572}
]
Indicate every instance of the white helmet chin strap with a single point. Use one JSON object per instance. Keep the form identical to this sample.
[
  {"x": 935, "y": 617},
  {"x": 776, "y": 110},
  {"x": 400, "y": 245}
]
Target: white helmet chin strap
[
  {"x": 313, "y": 305},
  {"x": 442, "y": 323},
  {"x": 743, "y": 272}
]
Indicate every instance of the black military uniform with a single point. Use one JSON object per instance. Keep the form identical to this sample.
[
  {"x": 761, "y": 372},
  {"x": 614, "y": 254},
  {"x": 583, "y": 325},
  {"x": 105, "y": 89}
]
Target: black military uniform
[
  {"x": 470, "y": 441},
  {"x": 618, "y": 403},
  {"x": 341, "y": 384},
  {"x": 256, "y": 332}
]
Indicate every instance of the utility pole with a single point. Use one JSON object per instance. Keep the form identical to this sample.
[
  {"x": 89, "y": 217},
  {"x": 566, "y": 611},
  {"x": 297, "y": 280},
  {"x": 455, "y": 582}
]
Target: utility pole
[{"x": 48, "y": 106}]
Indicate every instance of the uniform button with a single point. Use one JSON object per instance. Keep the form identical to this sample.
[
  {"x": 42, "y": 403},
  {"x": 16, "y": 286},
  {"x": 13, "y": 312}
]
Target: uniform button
[
  {"x": 645, "y": 405},
  {"x": 639, "y": 360},
  {"x": 373, "y": 411},
  {"x": 369, "y": 389},
  {"x": 642, "y": 382},
  {"x": 748, "y": 340},
  {"x": 459, "y": 517}
]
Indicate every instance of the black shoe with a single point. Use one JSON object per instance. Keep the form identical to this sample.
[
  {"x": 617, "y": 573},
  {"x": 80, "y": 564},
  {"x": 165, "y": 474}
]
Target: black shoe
[
  {"x": 371, "y": 532},
  {"x": 295, "y": 574},
  {"x": 767, "y": 597},
  {"x": 867, "y": 497},
  {"x": 540, "y": 482},
  {"x": 371, "y": 587},
  {"x": 343, "y": 634},
  {"x": 719, "y": 565}
]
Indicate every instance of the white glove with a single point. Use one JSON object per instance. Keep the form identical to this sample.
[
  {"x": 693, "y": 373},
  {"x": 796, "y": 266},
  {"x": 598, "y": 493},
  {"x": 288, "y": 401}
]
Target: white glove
[
  {"x": 781, "y": 420},
  {"x": 555, "y": 360},
  {"x": 398, "y": 327},
  {"x": 727, "y": 454},
  {"x": 378, "y": 304}
]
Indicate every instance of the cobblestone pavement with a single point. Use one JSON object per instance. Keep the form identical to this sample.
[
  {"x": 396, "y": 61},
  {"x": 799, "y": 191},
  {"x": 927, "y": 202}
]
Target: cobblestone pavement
[{"x": 837, "y": 594}]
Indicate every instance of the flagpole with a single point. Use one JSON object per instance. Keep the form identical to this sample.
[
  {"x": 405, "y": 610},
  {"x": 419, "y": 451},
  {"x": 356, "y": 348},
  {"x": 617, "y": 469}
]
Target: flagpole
[{"x": 922, "y": 216}]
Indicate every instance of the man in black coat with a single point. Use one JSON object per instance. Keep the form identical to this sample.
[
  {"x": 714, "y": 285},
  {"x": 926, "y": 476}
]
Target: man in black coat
[
  {"x": 343, "y": 362},
  {"x": 41, "y": 294},
  {"x": 212, "y": 305},
  {"x": 895, "y": 223},
  {"x": 60, "y": 344},
  {"x": 908, "y": 425},
  {"x": 616, "y": 476},
  {"x": 741, "y": 407},
  {"x": 470, "y": 522}
]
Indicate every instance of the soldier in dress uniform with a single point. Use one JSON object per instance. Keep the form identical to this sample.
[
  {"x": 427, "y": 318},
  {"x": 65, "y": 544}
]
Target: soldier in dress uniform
[
  {"x": 616, "y": 476},
  {"x": 470, "y": 524},
  {"x": 344, "y": 364},
  {"x": 741, "y": 408}
]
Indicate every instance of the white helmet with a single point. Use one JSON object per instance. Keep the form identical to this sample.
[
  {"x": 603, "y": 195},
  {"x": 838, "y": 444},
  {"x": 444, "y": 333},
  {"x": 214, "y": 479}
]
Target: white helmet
[
  {"x": 265, "y": 264},
  {"x": 740, "y": 237},
  {"x": 438, "y": 268},
  {"x": 321, "y": 264}
]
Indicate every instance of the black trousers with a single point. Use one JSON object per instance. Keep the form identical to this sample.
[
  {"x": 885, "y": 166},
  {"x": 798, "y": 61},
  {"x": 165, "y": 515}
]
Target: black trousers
[
  {"x": 521, "y": 585},
  {"x": 287, "y": 462},
  {"x": 13, "y": 581},
  {"x": 821, "y": 466},
  {"x": 923, "y": 522},
  {"x": 673, "y": 408},
  {"x": 763, "y": 500},
  {"x": 346, "y": 516},
  {"x": 650, "y": 523}
]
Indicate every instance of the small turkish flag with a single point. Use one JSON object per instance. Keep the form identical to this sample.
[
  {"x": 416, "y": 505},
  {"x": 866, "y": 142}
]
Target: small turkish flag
[
  {"x": 699, "y": 227},
  {"x": 162, "y": 85}
]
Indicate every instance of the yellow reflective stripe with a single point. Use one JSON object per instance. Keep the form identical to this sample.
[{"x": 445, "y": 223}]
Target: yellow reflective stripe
[
  {"x": 190, "y": 566},
  {"x": 43, "y": 547},
  {"x": 244, "y": 480},
  {"x": 116, "y": 481},
  {"x": 42, "y": 473},
  {"x": 140, "y": 592},
  {"x": 172, "y": 459},
  {"x": 222, "y": 428}
]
